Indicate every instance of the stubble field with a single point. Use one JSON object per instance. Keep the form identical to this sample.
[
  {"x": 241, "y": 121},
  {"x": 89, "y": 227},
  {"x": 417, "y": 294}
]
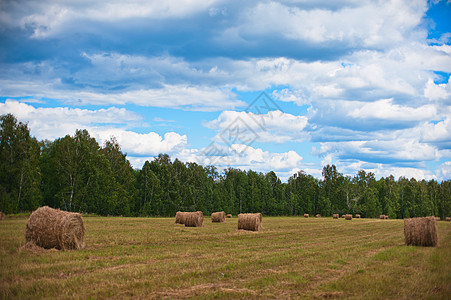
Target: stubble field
[{"x": 292, "y": 257}]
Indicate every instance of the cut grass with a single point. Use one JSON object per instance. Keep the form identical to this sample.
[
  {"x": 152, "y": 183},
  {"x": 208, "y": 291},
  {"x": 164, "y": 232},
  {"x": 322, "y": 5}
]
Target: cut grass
[{"x": 292, "y": 257}]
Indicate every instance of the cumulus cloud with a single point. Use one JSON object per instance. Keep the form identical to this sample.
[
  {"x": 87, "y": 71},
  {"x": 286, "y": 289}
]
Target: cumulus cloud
[{"x": 274, "y": 126}]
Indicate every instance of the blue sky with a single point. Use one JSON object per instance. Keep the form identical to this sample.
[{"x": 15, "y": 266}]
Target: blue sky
[{"x": 359, "y": 84}]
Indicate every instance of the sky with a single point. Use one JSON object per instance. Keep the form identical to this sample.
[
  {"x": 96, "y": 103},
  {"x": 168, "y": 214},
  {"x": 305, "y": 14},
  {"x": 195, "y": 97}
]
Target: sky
[{"x": 264, "y": 85}]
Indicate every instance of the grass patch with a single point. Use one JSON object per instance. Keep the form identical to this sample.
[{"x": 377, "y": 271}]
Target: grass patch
[{"x": 289, "y": 258}]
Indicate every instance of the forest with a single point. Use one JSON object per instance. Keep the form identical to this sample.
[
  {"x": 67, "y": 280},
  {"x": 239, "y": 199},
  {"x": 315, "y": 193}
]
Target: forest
[{"x": 75, "y": 173}]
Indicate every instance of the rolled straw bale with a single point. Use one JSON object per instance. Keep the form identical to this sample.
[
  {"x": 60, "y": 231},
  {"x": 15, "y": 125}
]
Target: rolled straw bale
[
  {"x": 251, "y": 222},
  {"x": 218, "y": 217},
  {"x": 317, "y": 216},
  {"x": 382, "y": 217},
  {"x": 348, "y": 217},
  {"x": 386, "y": 217},
  {"x": 2, "y": 216},
  {"x": 306, "y": 215},
  {"x": 448, "y": 219},
  {"x": 229, "y": 216},
  {"x": 420, "y": 232},
  {"x": 437, "y": 218},
  {"x": 54, "y": 228},
  {"x": 357, "y": 216},
  {"x": 180, "y": 217},
  {"x": 194, "y": 219},
  {"x": 343, "y": 216},
  {"x": 335, "y": 216}
]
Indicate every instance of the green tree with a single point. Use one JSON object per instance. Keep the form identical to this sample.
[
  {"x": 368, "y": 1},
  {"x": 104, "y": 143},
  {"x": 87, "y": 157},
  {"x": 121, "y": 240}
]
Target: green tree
[{"x": 19, "y": 167}]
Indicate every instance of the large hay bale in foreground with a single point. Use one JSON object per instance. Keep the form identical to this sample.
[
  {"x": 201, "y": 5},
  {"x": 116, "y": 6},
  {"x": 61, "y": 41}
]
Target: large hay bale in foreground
[
  {"x": 420, "y": 232},
  {"x": 54, "y": 228},
  {"x": 229, "y": 216},
  {"x": 306, "y": 215},
  {"x": 317, "y": 216},
  {"x": 357, "y": 216},
  {"x": 218, "y": 216},
  {"x": 194, "y": 219},
  {"x": 2, "y": 216},
  {"x": 180, "y": 217},
  {"x": 251, "y": 222},
  {"x": 335, "y": 216},
  {"x": 348, "y": 217}
]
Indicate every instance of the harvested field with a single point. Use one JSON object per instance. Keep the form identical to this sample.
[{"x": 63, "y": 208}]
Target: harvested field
[{"x": 292, "y": 257}]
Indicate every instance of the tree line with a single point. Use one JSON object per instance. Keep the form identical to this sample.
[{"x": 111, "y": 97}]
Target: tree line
[{"x": 75, "y": 173}]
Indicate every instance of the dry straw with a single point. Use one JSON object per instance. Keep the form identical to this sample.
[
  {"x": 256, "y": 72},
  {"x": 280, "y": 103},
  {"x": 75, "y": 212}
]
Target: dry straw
[
  {"x": 420, "y": 232},
  {"x": 335, "y": 216},
  {"x": 306, "y": 215},
  {"x": 2, "y": 216},
  {"x": 180, "y": 217},
  {"x": 357, "y": 216},
  {"x": 251, "y": 222},
  {"x": 218, "y": 217},
  {"x": 229, "y": 216},
  {"x": 348, "y": 217},
  {"x": 317, "y": 216},
  {"x": 194, "y": 219},
  {"x": 54, "y": 228}
]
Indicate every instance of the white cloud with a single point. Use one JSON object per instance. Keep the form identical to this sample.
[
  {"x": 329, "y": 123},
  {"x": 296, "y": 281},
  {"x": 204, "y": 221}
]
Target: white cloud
[{"x": 274, "y": 126}]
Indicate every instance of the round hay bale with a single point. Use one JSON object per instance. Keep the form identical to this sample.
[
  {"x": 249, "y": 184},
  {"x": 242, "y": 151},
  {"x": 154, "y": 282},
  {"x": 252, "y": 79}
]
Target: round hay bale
[
  {"x": 194, "y": 219},
  {"x": 437, "y": 218},
  {"x": 2, "y": 216},
  {"x": 306, "y": 215},
  {"x": 348, "y": 217},
  {"x": 421, "y": 232},
  {"x": 335, "y": 216},
  {"x": 317, "y": 216},
  {"x": 357, "y": 216},
  {"x": 382, "y": 217},
  {"x": 448, "y": 219},
  {"x": 180, "y": 217},
  {"x": 343, "y": 216},
  {"x": 252, "y": 222},
  {"x": 218, "y": 217},
  {"x": 386, "y": 217},
  {"x": 229, "y": 216},
  {"x": 54, "y": 228}
]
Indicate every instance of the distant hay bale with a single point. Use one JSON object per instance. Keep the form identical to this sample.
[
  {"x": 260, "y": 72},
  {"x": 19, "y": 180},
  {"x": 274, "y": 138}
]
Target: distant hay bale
[
  {"x": 382, "y": 217},
  {"x": 317, "y": 216},
  {"x": 229, "y": 216},
  {"x": 343, "y": 216},
  {"x": 306, "y": 215},
  {"x": 357, "y": 216},
  {"x": 180, "y": 217},
  {"x": 386, "y": 217},
  {"x": 194, "y": 219},
  {"x": 54, "y": 228},
  {"x": 2, "y": 216},
  {"x": 252, "y": 222},
  {"x": 335, "y": 216},
  {"x": 348, "y": 217},
  {"x": 420, "y": 232},
  {"x": 437, "y": 218},
  {"x": 218, "y": 217},
  {"x": 448, "y": 219}
]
